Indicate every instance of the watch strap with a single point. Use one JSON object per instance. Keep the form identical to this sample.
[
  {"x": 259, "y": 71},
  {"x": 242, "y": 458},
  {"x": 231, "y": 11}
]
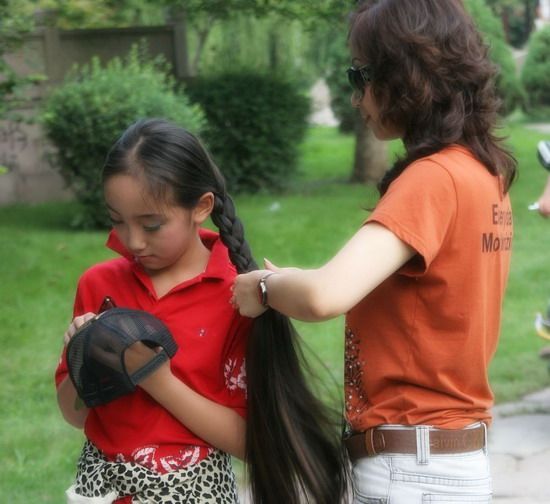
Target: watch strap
[{"x": 262, "y": 288}]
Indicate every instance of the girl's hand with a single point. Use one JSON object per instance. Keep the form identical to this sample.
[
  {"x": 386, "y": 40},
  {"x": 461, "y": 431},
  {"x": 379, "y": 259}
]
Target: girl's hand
[
  {"x": 76, "y": 324},
  {"x": 137, "y": 355},
  {"x": 157, "y": 380}
]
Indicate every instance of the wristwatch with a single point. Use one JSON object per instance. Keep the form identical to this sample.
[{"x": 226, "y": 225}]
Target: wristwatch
[{"x": 262, "y": 288}]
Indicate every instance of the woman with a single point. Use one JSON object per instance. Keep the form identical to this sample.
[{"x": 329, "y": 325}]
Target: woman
[{"x": 422, "y": 282}]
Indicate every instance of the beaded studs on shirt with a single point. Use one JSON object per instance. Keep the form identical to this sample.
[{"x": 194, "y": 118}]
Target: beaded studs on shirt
[{"x": 356, "y": 400}]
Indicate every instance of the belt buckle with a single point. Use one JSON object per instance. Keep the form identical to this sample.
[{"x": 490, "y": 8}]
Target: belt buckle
[{"x": 369, "y": 442}]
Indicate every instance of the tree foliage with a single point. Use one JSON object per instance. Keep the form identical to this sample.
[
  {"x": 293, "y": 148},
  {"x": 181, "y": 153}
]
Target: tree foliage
[
  {"x": 508, "y": 86},
  {"x": 517, "y": 17},
  {"x": 272, "y": 23},
  {"x": 101, "y": 13},
  {"x": 536, "y": 74},
  {"x": 94, "y": 105},
  {"x": 75, "y": 14},
  {"x": 306, "y": 10},
  {"x": 254, "y": 136},
  {"x": 14, "y": 24}
]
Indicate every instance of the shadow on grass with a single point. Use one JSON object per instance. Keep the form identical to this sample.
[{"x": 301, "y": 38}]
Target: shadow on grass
[{"x": 52, "y": 216}]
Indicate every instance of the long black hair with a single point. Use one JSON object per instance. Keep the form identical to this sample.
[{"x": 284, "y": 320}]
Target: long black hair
[{"x": 293, "y": 450}]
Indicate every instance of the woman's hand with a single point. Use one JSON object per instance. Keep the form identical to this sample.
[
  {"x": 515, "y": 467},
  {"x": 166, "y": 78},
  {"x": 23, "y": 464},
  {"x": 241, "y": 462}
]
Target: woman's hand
[
  {"x": 76, "y": 324},
  {"x": 245, "y": 294}
]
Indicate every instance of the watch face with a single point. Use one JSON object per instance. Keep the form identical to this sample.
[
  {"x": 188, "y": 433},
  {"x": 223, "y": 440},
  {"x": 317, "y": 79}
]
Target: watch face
[
  {"x": 262, "y": 289},
  {"x": 260, "y": 293}
]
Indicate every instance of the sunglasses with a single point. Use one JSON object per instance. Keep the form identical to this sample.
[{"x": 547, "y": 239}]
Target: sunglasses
[{"x": 359, "y": 77}]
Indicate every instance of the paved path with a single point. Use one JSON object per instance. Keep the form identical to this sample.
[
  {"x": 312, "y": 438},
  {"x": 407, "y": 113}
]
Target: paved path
[
  {"x": 519, "y": 445},
  {"x": 540, "y": 127}
]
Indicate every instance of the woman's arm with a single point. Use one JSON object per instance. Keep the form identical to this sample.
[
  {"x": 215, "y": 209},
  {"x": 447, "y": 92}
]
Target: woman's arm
[
  {"x": 218, "y": 425},
  {"x": 371, "y": 256}
]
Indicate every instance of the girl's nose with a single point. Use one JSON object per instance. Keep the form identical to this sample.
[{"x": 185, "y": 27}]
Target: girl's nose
[{"x": 136, "y": 241}]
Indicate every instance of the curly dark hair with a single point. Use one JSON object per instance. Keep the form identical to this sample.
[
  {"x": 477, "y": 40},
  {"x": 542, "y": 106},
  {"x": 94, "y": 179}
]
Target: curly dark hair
[{"x": 432, "y": 77}]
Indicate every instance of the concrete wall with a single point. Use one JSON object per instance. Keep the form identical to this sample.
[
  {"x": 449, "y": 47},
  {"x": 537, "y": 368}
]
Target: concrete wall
[{"x": 30, "y": 177}]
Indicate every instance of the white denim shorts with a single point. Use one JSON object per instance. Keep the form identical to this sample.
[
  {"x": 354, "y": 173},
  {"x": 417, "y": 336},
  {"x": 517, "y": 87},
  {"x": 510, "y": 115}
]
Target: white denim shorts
[{"x": 420, "y": 479}]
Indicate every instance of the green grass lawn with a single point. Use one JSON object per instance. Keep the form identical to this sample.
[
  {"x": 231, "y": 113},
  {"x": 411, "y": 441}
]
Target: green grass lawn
[{"x": 41, "y": 259}]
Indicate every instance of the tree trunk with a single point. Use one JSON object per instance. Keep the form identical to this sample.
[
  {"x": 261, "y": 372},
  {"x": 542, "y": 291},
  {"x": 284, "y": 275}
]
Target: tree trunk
[
  {"x": 203, "y": 37},
  {"x": 506, "y": 23},
  {"x": 529, "y": 18},
  {"x": 178, "y": 18},
  {"x": 370, "y": 161},
  {"x": 273, "y": 49}
]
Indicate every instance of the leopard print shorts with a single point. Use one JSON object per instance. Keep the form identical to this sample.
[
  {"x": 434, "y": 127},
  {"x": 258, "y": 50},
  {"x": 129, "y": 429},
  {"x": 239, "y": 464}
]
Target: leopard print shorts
[{"x": 210, "y": 481}]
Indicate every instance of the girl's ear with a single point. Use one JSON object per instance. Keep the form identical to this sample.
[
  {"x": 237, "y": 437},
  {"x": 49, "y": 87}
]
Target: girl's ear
[{"x": 203, "y": 208}]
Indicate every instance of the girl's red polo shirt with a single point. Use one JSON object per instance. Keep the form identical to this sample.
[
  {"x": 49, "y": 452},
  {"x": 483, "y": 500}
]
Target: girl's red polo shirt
[{"x": 211, "y": 337}]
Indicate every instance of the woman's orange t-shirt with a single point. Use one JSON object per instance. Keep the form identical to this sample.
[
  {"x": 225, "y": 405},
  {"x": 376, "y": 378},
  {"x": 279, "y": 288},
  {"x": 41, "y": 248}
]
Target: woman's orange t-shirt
[{"x": 418, "y": 346}]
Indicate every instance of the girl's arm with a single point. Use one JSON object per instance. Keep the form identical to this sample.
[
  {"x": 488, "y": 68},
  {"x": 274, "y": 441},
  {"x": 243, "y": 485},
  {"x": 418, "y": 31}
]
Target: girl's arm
[
  {"x": 371, "y": 256},
  {"x": 218, "y": 425},
  {"x": 73, "y": 409}
]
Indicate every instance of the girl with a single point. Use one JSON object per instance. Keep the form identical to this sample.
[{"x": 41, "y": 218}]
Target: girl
[
  {"x": 170, "y": 440},
  {"x": 422, "y": 282}
]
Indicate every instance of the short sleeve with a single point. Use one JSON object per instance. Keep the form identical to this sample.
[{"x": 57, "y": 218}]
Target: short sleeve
[{"x": 420, "y": 208}]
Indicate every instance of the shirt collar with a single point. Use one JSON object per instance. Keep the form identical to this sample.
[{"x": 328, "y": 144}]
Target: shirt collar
[{"x": 219, "y": 264}]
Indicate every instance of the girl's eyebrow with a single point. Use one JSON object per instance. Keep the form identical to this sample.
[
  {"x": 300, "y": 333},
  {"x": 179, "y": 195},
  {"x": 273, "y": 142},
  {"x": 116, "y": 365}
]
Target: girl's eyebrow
[
  {"x": 149, "y": 215},
  {"x": 137, "y": 216}
]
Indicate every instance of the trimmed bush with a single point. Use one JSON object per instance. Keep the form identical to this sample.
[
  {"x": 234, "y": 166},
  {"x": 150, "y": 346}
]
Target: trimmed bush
[
  {"x": 508, "y": 85},
  {"x": 255, "y": 125},
  {"x": 86, "y": 114},
  {"x": 536, "y": 74}
]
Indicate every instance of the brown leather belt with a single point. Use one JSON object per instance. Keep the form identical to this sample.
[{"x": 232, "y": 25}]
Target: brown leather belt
[{"x": 442, "y": 441}]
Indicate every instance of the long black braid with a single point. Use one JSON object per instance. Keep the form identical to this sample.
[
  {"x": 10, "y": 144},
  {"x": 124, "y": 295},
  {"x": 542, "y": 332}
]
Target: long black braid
[
  {"x": 232, "y": 233},
  {"x": 293, "y": 447}
]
